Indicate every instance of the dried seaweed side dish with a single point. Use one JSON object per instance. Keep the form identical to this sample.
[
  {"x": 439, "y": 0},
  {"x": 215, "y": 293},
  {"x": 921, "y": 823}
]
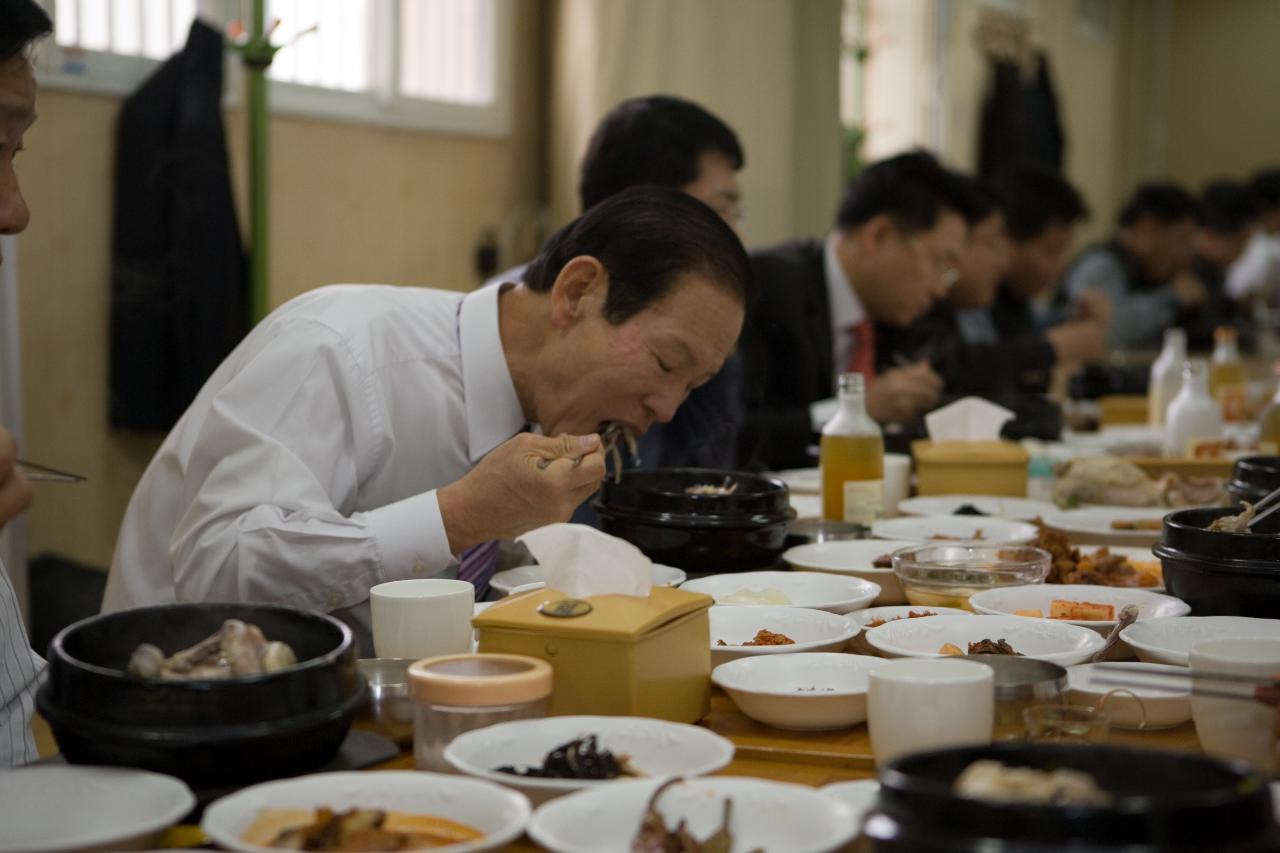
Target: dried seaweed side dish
[{"x": 581, "y": 758}]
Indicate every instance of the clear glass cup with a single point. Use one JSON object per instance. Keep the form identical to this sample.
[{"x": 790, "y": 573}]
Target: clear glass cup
[{"x": 1066, "y": 724}]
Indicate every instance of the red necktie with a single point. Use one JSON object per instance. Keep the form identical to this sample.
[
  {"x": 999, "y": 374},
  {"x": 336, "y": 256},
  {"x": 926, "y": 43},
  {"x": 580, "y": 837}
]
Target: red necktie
[{"x": 862, "y": 359}]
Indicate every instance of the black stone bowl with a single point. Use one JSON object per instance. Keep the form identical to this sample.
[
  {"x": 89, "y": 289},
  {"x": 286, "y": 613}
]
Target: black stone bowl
[
  {"x": 1221, "y": 574},
  {"x": 740, "y": 532},
  {"x": 204, "y": 731},
  {"x": 1253, "y": 478},
  {"x": 1162, "y": 800}
]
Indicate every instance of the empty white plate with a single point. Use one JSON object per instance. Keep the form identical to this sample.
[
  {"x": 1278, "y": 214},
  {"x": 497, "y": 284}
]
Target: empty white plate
[
  {"x": 803, "y": 480},
  {"x": 821, "y": 591},
  {"x": 927, "y": 528}
]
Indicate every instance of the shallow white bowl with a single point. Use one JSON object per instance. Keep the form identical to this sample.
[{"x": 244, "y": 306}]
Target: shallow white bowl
[
  {"x": 806, "y": 692},
  {"x": 1034, "y": 638},
  {"x": 656, "y": 748},
  {"x": 1170, "y": 640},
  {"x": 58, "y": 807},
  {"x": 500, "y": 813},
  {"x": 812, "y": 630},
  {"x": 900, "y": 611},
  {"x": 773, "y": 816},
  {"x": 1162, "y": 707},
  {"x": 853, "y": 557},
  {"x": 924, "y": 528},
  {"x": 1094, "y": 523},
  {"x": 818, "y": 590},
  {"x": 996, "y": 506},
  {"x": 860, "y": 795},
  {"x": 506, "y": 582},
  {"x": 1005, "y": 600}
]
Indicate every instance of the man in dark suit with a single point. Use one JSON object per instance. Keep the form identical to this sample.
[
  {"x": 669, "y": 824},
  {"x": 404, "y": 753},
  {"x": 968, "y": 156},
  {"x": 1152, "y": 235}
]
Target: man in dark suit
[{"x": 898, "y": 236}]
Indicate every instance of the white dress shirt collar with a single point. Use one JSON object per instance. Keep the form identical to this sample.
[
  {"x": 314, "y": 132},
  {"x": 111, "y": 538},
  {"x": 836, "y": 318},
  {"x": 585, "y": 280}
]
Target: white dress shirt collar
[
  {"x": 846, "y": 308},
  {"x": 493, "y": 409}
]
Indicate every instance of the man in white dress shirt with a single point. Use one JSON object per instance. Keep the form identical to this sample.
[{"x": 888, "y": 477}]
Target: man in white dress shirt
[{"x": 368, "y": 433}]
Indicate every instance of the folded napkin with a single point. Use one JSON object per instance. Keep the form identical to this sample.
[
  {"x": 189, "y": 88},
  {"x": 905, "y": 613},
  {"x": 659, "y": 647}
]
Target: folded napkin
[{"x": 581, "y": 561}]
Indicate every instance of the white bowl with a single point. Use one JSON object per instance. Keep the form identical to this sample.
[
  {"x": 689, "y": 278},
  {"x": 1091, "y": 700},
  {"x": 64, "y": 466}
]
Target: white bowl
[
  {"x": 853, "y": 557},
  {"x": 1041, "y": 639},
  {"x": 500, "y": 813},
  {"x": 506, "y": 582},
  {"x": 812, "y": 630},
  {"x": 859, "y": 795},
  {"x": 803, "y": 480},
  {"x": 1003, "y": 601},
  {"x": 1094, "y": 523},
  {"x": 773, "y": 816},
  {"x": 805, "y": 692},
  {"x": 1161, "y": 707},
  {"x": 899, "y": 611},
  {"x": 1170, "y": 640},
  {"x": 958, "y": 527},
  {"x": 58, "y": 807},
  {"x": 817, "y": 590},
  {"x": 995, "y": 506},
  {"x": 656, "y": 748}
]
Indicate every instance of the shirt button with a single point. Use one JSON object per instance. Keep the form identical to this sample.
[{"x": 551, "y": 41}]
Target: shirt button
[
  {"x": 334, "y": 598},
  {"x": 419, "y": 567}
]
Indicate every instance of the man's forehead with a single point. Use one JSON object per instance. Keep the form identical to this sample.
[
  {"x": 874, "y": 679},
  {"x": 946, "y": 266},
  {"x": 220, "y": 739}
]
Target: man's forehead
[{"x": 17, "y": 89}]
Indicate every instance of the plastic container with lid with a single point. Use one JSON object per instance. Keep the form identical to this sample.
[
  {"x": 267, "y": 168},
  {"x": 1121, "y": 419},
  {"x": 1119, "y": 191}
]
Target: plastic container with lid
[{"x": 453, "y": 694}]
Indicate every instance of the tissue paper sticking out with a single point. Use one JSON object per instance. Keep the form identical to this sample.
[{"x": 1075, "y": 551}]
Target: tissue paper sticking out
[
  {"x": 967, "y": 419},
  {"x": 581, "y": 561}
]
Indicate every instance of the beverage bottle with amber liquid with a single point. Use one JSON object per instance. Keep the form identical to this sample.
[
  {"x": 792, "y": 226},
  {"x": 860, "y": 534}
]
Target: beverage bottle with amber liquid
[
  {"x": 1227, "y": 379},
  {"x": 851, "y": 458}
]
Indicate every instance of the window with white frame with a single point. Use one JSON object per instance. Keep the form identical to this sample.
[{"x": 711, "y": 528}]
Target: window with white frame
[{"x": 435, "y": 64}]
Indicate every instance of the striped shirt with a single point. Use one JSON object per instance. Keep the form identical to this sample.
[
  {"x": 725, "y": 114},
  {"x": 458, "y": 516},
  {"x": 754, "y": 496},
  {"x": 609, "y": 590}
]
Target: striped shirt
[{"x": 21, "y": 671}]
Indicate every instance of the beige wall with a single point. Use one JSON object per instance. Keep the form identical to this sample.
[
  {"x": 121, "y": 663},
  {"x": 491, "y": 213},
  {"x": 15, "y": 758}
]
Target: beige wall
[{"x": 349, "y": 203}]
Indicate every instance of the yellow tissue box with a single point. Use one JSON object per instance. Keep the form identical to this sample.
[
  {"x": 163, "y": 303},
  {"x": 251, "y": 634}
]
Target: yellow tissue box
[
  {"x": 620, "y": 655},
  {"x": 970, "y": 468}
]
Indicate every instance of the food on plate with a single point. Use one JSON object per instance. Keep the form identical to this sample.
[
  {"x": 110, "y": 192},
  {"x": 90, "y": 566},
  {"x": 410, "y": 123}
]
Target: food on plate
[
  {"x": 815, "y": 689},
  {"x": 1070, "y": 566},
  {"x": 1137, "y": 523},
  {"x": 654, "y": 837},
  {"x": 997, "y": 782},
  {"x": 1117, "y": 482},
  {"x": 968, "y": 509},
  {"x": 581, "y": 758},
  {"x": 911, "y": 614},
  {"x": 237, "y": 648},
  {"x": 1234, "y": 523},
  {"x": 763, "y": 637},
  {"x": 753, "y": 595},
  {"x": 355, "y": 829},
  {"x": 951, "y": 650},
  {"x": 942, "y": 537},
  {"x": 992, "y": 647},
  {"x": 884, "y": 561},
  {"x": 1081, "y": 611}
]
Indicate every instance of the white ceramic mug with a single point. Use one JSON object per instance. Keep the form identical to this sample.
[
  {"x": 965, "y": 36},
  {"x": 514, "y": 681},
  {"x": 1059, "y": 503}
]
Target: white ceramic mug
[
  {"x": 1237, "y": 728},
  {"x": 917, "y": 704},
  {"x": 897, "y": 482},
  {"x": 422, "y": 618}
]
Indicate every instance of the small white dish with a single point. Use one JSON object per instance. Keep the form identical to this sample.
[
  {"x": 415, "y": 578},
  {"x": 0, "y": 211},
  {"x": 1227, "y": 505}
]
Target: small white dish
[
  {"x": 67, "y": 807},
  {"x": 900, "y": 611},
  {"x": 1034, "y": 638},
  {"x": 506, "y": 582},
  {"x": 855, "y": 558},
  {"x": 1157, "y": 706},
  {"x": 1004, "y": 601},
  {"x": 656, "y": 748},
  {"x": 804, "y": 692},
  {"x": 1094, "y": 522},
  {"x": 859, "y": 795},
  {"x": 1170, "y": 640},
  {"x": 805, "y": 481},
  {"x": 940, "y": 528},
  {"x": 498, "y": 812},
  {"x": 807, "y": 506},
  {"x": 995, "y": 506},
  {"x": 773, "y": 816},
  {"x": 818, "y": 590},
  {"x": 812, "y": 631}
]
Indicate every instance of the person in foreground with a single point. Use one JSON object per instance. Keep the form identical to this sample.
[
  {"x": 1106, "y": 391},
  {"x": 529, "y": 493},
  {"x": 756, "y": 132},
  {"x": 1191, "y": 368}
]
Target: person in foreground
[{"x": 366, "y": 433}]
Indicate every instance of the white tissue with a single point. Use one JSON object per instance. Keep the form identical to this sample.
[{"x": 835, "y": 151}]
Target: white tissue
[
  {"x": 581, "y": 561},
  {"x": 967, "y": 419}
]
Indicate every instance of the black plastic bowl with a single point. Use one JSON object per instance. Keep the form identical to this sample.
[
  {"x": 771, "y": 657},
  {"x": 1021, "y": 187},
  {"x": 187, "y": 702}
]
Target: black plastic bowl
[
  {"x": 1221, "y": 574},
  {"x": 740, "y": 532},
  {"x": 206, "y": 731},
  {"x": 1162, "y": 801},
  {"x": 1253, "y": 478}
]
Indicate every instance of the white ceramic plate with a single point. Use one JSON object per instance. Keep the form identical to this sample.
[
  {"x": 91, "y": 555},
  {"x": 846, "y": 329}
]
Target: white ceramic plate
[
  {"x": 656, "y": 748},
  {"x": 505, "y": 582},
  {"x": 59, "y": 807},
  {"x": 805, "y": 692},
  {"x": 1035, "y": 638},
  {"x": 1161, "y": 705},
  {"x": 806, "y": 481},
  {"x": 812, "y": 630},
  {"x": 853, "y": 557},
  {"x": 773, "y": 816},
  {"x": 1095, "y": 522},
  {"x": 1170, "y": 640},
  {"x": 923, "y": 528},
  {"x": 859, "y": 796},
  {"x": 1007, "y": 599},
  {"x": 818, "y": 590},
  {"x": 1018, "y": 509},
  {"x": 500, "y": 813},
  {"x": 807, "y": 506},
  {"x": 900, "y": 611}
]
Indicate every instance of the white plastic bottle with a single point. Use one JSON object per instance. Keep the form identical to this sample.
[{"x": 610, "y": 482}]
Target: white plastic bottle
[
  {"x": 1193, "y": 413},
  {"x": 1166, "y": 376}
]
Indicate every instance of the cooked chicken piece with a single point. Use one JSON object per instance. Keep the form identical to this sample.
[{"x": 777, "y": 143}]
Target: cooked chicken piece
[{"x": 1105, "y": 480}]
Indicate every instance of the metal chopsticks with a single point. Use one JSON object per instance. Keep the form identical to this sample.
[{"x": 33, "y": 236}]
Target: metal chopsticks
[
  {"x": 1268, "y": 505},
  {"x": 44, "y": 473},
  {"x": 1119, "y": 675}
]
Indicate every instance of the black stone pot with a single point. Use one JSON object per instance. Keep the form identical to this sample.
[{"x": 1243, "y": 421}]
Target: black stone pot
[
  {"x": 1253, "y": 478},
  {"x": 206, "y": 731},
  {"x": 1221, "y": 574},
  {"x": 741, "y": 532}
]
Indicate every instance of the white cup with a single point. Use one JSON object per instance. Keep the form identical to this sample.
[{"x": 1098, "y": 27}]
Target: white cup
[
  {"x": 897, "y": 482},
  {"x": 1237, "y": 728},
  {"x": 422, "y": 618},
  {"x": 917, "y": 704}
]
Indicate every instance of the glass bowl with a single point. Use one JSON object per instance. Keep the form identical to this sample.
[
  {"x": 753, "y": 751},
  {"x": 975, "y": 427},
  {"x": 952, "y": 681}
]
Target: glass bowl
[{"x": 945, "y": 575}]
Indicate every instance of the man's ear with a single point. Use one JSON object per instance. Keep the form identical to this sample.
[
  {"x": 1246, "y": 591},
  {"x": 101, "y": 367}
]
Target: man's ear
[
  {"x": 876, "y": 233},
  {"x": 579, "y": 289}
]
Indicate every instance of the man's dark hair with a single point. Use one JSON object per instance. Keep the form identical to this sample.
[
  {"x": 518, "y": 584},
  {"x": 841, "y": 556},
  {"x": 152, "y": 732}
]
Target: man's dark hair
[
  {"x": 912, "y": 189},
  {"x": 1227, "y": 207},
  {"x": 655, "y": 140},
  {"x": 21, "y": 23},
  {"x": 1164, "y": 202},
  {"x": 980, "y": 199},
  {"x": 1035, "y": 199},
  {"x": 1266, "y": 186},
  {"x": 646, "y": 238}
]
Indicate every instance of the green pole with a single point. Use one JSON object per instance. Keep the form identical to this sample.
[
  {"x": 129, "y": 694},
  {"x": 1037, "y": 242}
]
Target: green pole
[{"x": 258, "y": 54}]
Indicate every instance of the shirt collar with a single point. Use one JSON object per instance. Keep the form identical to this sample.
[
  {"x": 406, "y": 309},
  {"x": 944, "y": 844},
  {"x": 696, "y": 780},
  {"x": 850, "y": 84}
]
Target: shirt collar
[
  {"x": 493, "y": 409},
  {"x": 846, "y": 308}
]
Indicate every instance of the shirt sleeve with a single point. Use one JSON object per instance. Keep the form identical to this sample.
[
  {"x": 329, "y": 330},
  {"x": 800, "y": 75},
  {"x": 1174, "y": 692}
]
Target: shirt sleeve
[
  {"x": 1137, "y": 318},
  {"x": 267, "y": 508},
  {"x": 21, "y": 672}
]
